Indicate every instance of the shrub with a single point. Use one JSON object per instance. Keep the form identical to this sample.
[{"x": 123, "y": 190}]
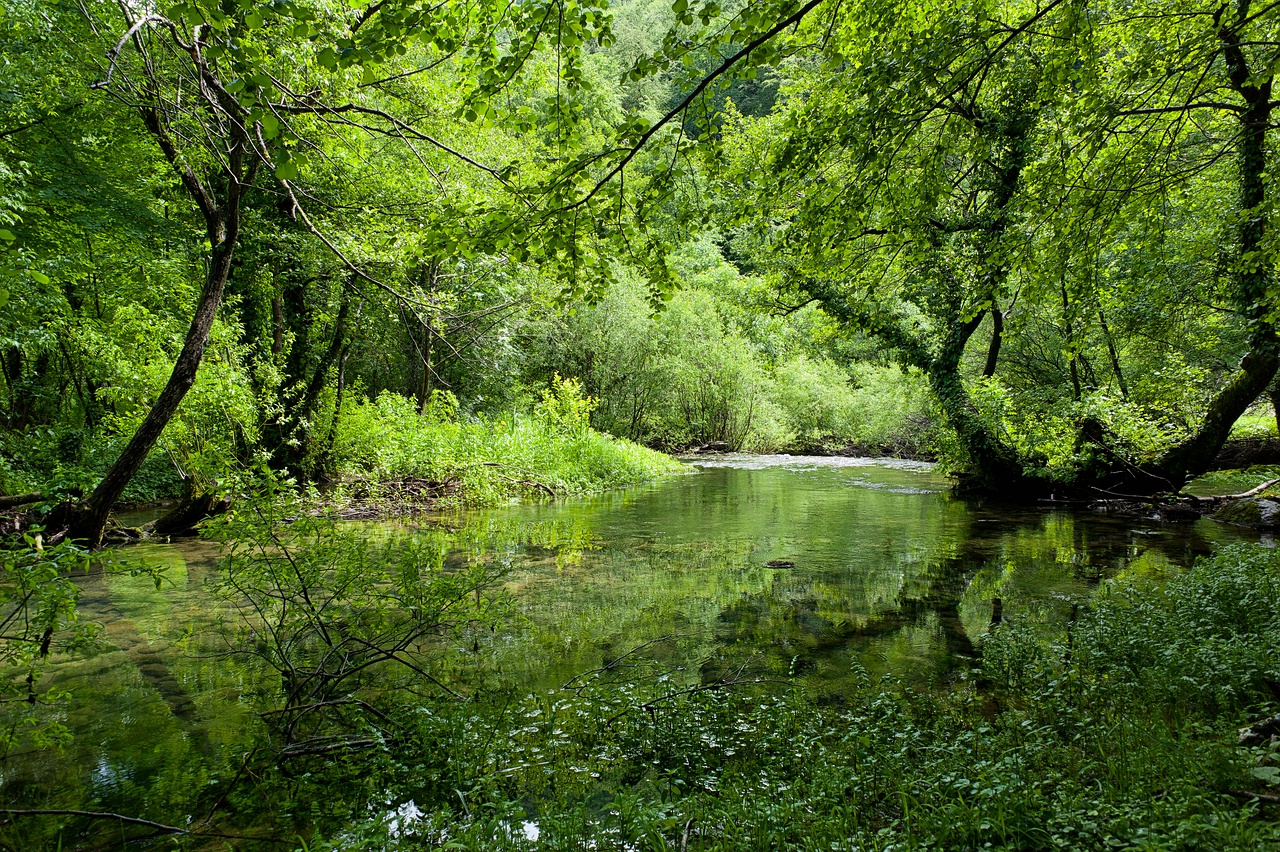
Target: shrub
[{"x": 491, "y": 459}]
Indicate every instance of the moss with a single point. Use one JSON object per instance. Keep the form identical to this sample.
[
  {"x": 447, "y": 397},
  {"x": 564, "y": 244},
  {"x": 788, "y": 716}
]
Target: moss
[{"x": 1262, "y": 512}]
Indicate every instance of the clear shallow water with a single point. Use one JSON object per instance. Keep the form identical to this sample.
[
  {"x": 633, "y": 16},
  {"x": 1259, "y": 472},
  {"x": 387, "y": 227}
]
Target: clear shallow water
[{"x": 888, "y": 575}]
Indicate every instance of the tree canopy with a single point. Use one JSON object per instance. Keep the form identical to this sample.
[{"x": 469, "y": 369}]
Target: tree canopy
[{"x": 221, "y": 224}]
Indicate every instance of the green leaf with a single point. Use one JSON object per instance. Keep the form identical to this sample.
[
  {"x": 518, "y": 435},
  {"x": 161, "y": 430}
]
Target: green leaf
[
  {"x": 287, "y": 169},
  {"x": 7, "y": 235},
  {"x": 4, "y": 298},
  {"x": 270, "y": 125},
  {"x": 1269, "y": 774},
  {"x": 40, "y": 277}
]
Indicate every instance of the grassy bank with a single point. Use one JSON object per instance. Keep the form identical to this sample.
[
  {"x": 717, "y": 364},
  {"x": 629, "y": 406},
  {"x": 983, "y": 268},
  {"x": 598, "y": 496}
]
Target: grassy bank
[
  {"x": 549, "y": 451},
  {"x": 380, "y": 452}
]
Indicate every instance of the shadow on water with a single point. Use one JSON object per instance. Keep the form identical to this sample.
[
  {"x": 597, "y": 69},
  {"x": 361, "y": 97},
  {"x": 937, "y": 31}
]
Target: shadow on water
[{"x": 147, "y": 655}]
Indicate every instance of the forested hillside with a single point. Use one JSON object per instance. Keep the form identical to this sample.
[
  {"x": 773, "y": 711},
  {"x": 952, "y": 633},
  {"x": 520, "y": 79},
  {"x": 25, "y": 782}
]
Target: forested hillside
[{"x": 1032, "y": 240}]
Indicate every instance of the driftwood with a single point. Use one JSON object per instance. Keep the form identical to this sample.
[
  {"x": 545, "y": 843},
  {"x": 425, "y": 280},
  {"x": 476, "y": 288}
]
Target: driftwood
[
  {"x": 1269, "y": 798},
  {"x": 1263, "y": 730},
  {"x": 183, "y": 518},
  {"x": 1224, "y": 498},
  {"x": 1170, "y": 507},
  {"x": 158, "y": 826},
  {"x": 527, "y": 483}
]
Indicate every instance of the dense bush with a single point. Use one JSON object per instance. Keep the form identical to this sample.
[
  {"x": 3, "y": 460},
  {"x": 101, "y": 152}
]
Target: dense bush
[
  {"x": 711, "y": 365},
  {"x": 490, "y": 459}
]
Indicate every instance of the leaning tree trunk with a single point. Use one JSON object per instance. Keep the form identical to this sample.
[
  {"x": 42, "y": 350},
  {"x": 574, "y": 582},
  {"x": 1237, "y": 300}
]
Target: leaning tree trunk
[
  {"x": 88, "y": 519},
  {"x": 1194, "y": 456}
]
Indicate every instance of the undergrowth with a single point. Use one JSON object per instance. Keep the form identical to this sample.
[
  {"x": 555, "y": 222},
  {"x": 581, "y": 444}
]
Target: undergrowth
[
  {"x": 1116, "y": 734},
  {"x": 550, "y": 450}
]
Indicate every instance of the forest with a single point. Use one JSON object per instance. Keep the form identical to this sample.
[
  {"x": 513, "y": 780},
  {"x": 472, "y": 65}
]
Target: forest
[{"x": 768, "y": 424}]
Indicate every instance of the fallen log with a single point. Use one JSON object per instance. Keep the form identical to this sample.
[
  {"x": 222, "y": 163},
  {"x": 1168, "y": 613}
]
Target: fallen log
[{"x": 8, "y": 501}]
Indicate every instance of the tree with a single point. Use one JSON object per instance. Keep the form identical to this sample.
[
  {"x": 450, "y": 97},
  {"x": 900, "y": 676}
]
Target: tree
[
  {"x": 896, "y": 174},
  {"x": 936, "y": 168},
  {"x": 237, "y": 101},
  {"x": 1193, "y": 86}
]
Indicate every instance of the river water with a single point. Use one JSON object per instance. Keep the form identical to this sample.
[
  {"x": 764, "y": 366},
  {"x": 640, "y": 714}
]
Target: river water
[{"x": 812, "y": 570}]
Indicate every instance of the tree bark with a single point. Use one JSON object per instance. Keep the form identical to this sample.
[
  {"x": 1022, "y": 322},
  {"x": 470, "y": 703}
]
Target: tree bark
[
  {"x": 997, "y": 337},
  {"x": 1113, "y": 355},
  {"x": 1274, "y": 393},
  {"x": 1193, "y": 456}
]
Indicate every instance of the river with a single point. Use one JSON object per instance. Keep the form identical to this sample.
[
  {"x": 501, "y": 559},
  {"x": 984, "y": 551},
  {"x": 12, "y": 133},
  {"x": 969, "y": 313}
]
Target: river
[{"x": 809, "y": 570}]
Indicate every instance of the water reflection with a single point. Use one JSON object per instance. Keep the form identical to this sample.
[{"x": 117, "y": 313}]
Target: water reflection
[{"x": 889, "y": 575}]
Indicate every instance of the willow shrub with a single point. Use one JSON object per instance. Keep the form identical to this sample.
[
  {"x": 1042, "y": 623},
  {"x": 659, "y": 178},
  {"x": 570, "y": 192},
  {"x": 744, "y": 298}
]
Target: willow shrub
[{"x": 491, "y": 459}]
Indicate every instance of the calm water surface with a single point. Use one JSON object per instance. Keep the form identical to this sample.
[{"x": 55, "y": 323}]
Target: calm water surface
[{"x": 883, "y": 573}]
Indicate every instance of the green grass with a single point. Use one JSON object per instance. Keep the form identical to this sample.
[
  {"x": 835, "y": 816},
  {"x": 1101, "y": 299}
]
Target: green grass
[
  {"x": 1234, "y": 481},
  {"x": 491, "y": 460},
  {"x": 1255, "y": 423}
]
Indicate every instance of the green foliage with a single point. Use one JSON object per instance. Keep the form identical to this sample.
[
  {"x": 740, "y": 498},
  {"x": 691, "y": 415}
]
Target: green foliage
[
  {"x": 491, "y": 459},
  {"x": 564, "y": 408},
  {"x": 1119, "y": 734},
  {"x": 713, "y": 365},
  {"x": 1046, "y": 432}
]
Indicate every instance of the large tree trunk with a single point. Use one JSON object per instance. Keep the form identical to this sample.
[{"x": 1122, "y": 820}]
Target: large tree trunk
[
  {"x": 1273, "y": 393},
  {"x": 994, "y": 466},
  {"x": 88, "y": 519},
  {"x": 1192, "y": 457}
]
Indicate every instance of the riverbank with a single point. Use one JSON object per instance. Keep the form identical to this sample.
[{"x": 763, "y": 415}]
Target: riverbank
[{"x": 390, "y": 460}]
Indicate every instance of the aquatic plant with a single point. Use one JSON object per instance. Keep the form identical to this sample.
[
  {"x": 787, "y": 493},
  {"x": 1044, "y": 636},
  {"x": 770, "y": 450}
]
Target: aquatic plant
[{"x": 1117, "y": 733}]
